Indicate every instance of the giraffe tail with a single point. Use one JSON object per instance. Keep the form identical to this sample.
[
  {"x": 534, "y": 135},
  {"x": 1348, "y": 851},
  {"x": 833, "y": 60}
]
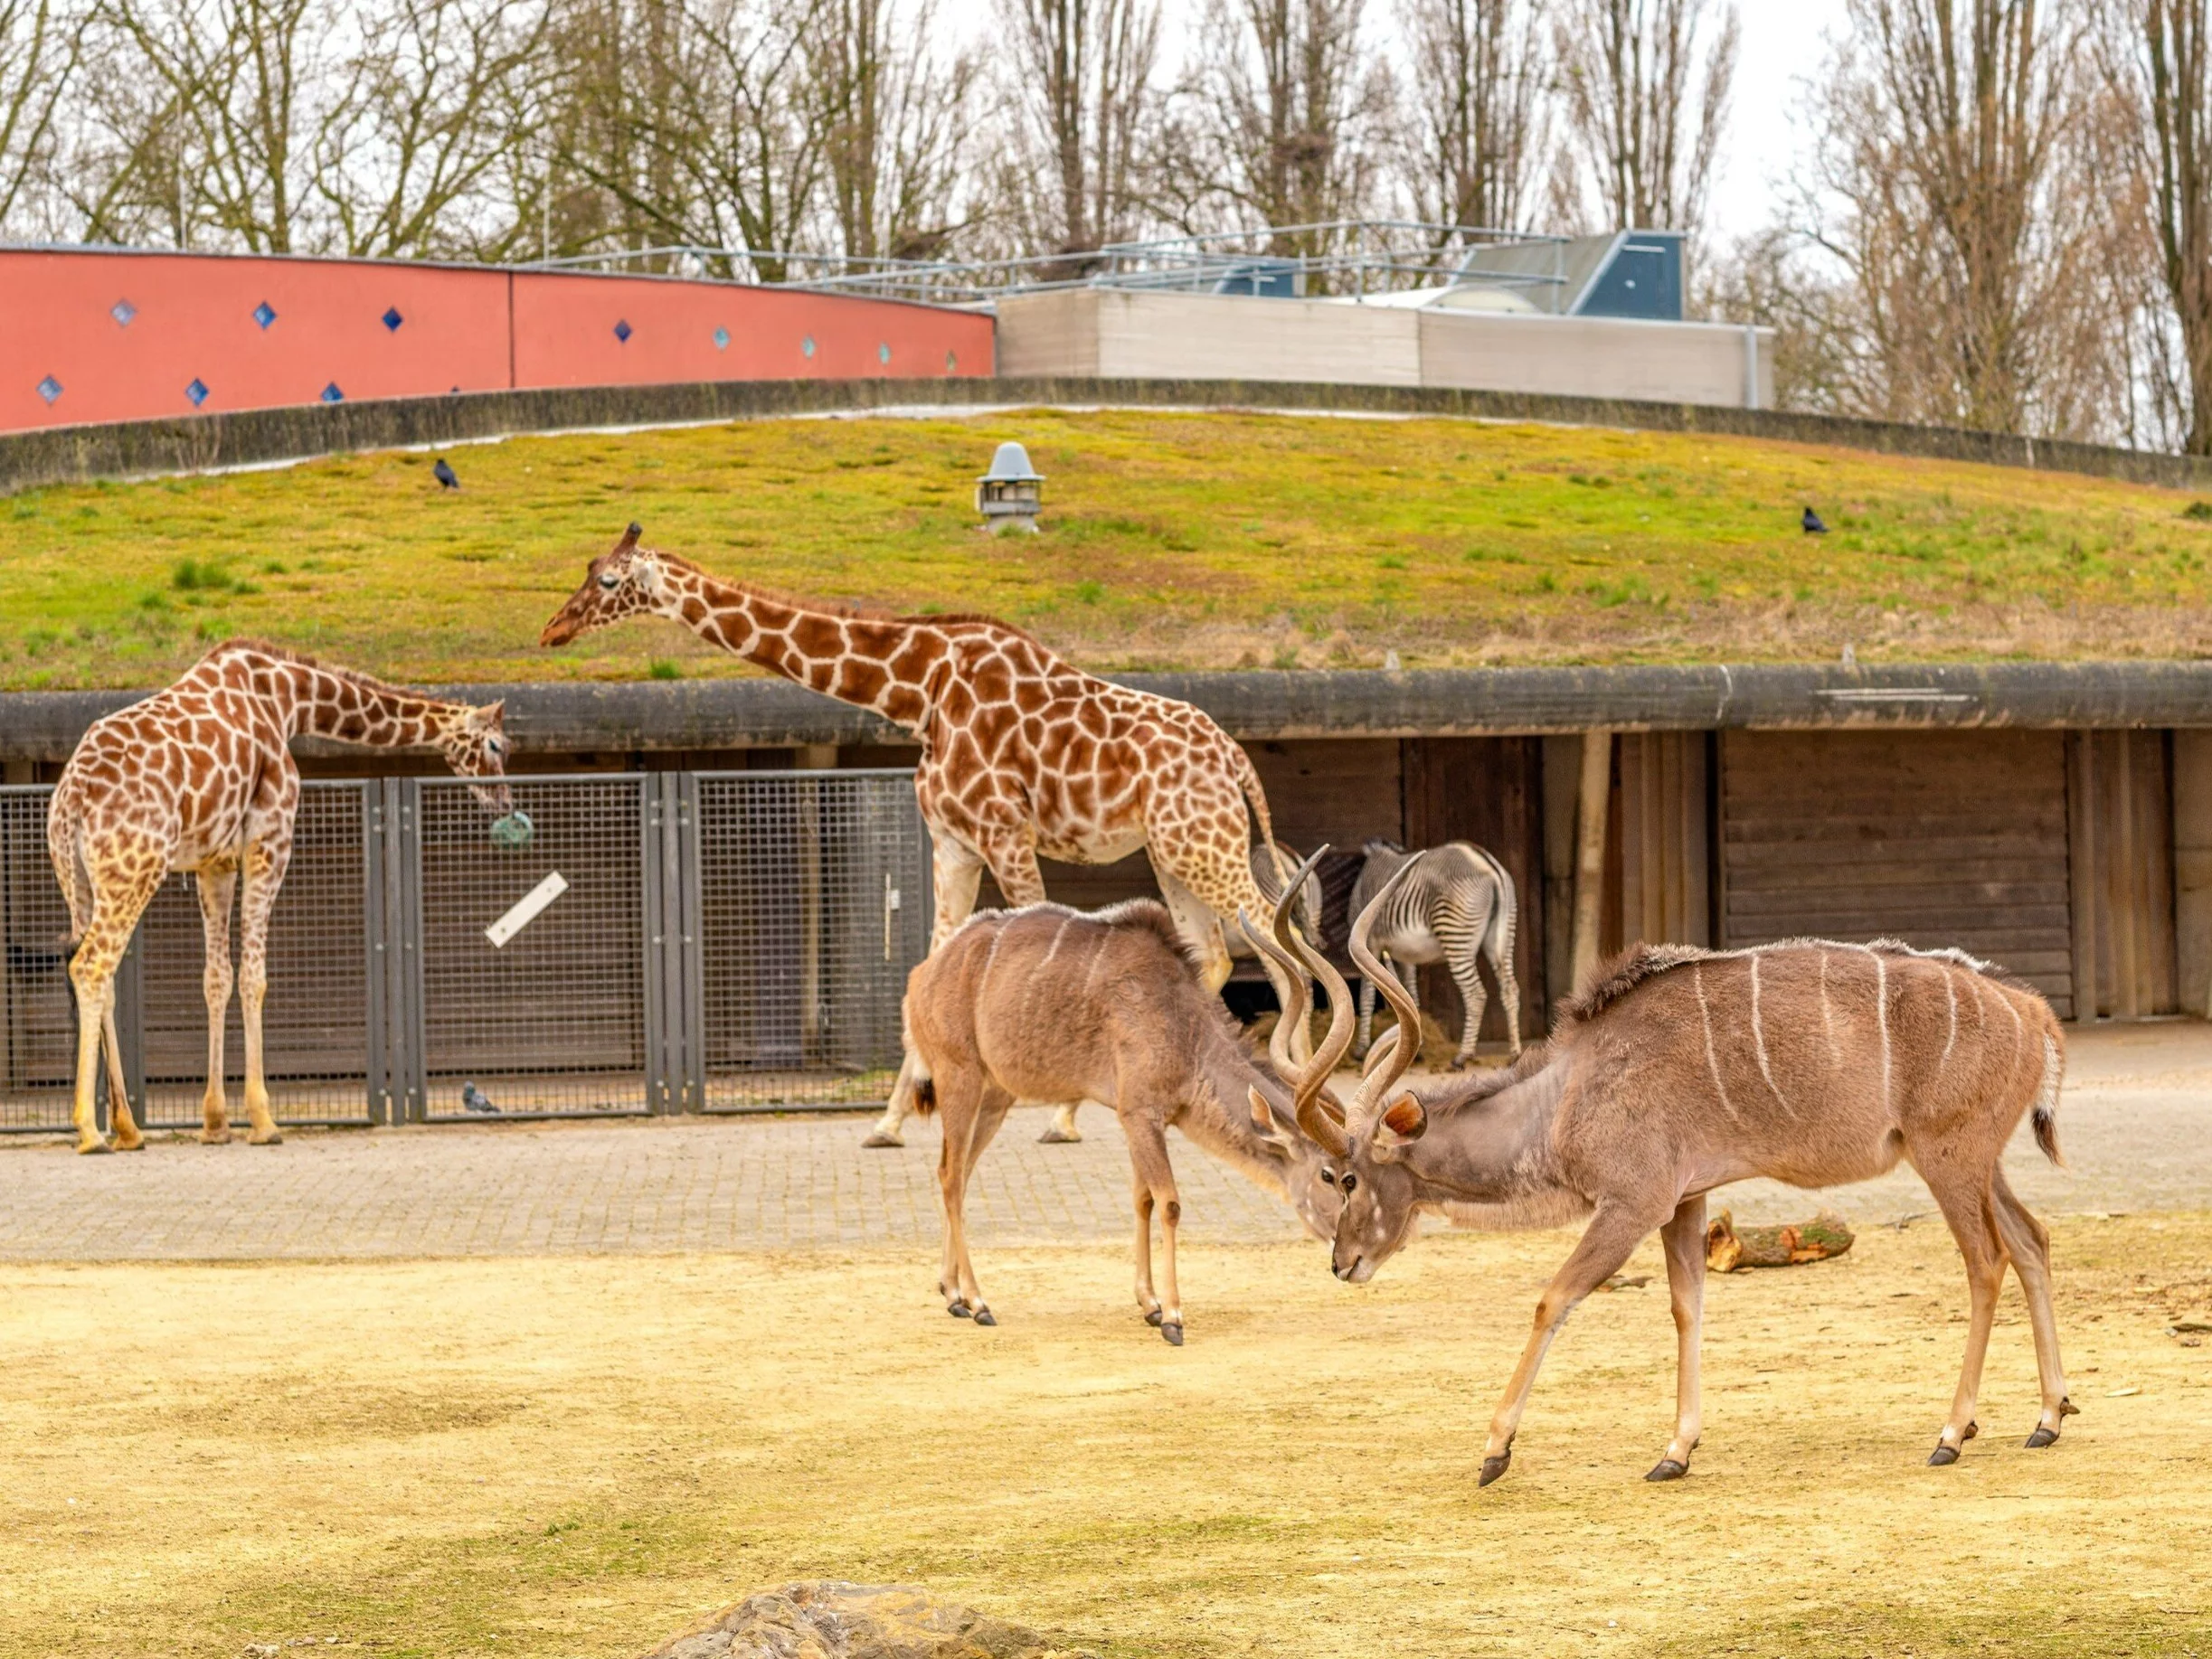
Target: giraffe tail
[
  {"x": 70, "y": 869},
  {"x": 1255, "y": 798}
]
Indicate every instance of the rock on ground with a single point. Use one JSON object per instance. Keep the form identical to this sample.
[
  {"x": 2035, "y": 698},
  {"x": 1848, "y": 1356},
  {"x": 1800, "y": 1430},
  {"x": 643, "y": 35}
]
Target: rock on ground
[{"x": 832, "y": 1619}]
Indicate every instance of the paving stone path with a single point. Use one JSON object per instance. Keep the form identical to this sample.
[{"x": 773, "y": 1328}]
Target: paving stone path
[{"x": 2136, "y": 1124}]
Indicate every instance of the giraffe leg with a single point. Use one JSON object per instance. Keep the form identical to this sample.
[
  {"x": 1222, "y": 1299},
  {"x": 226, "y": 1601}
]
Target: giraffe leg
[
  {"x": 127, "y": 1136},
  {"x": 1014, "y": 866},
  {"x": 123, "y": 896},
  {"x": 265, "y": 863},
  {"x": 216, "y": 883},
  {"x": 955, "y": 873}
]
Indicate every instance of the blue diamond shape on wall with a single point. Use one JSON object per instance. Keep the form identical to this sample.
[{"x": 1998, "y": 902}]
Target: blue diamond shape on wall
[
  {"x": 722, "y": 339},
  {"x": 49, "y": 388},
  {"x": 122, "y": 311},
  {"x": 264, "y": 314},
  {"x": 197, "y": 393},
  {"x": 882, "y": 353},
  {"x": 392, "y": 319},
  {"x": 621, "y": 331},
  {"x": 806, "y": 346},
  {"x": 331, "y": 394}
]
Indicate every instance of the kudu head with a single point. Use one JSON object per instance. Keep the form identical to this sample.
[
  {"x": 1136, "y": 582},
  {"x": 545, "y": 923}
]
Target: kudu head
[
  {"x": 1303, "y": 1070},
  {"x": 1376, "y": 1206}
]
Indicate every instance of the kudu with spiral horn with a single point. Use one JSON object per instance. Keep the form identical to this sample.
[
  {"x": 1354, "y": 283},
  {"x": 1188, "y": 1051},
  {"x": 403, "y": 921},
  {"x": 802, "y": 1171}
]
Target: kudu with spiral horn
[
  {"x": 1680, "y": 1070},
  {"x": 1050, "y": 1003}
]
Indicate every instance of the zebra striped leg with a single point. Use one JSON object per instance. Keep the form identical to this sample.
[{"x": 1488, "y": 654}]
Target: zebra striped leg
[
  {"x": 1473, "y": 998},
  {"x": 1365, "y": 1036}
]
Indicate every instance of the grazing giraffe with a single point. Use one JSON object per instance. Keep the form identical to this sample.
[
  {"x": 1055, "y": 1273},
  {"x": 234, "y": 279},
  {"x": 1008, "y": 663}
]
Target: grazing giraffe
[
  {"x": 199, "y": 777},
  {"x": 1023, "y": 754}
]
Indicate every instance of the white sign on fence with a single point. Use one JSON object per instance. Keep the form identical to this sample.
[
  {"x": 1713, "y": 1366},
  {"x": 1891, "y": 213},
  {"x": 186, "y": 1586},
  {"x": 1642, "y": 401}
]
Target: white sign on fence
[{"x": 528, "y": 908}]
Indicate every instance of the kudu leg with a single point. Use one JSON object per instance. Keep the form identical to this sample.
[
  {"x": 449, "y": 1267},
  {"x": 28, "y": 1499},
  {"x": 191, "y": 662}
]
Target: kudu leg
[
  {"x": 1153, "y": 1191},
  {"x": 959, "y": 1105},
  {"x": 1683, "y": 1238},
  {"x": 1609, "y": 1239},
  {"x": 2028, "y": 1242},
  {"x": 1968, "y": 1206}
]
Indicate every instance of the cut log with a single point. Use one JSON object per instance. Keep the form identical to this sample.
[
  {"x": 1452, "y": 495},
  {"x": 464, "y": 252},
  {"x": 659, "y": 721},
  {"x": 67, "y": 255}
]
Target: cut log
[{"x": 1728, "y": 1247}]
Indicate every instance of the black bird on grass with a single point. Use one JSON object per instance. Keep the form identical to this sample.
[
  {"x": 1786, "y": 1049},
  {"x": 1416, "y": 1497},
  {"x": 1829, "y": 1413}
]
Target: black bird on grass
[
  {"x": 1813, "y": 526},
  {"x": 447, "y": 477}
]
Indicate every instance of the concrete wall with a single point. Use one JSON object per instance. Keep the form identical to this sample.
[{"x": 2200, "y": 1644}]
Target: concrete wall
[
  {"x": 1116, "y": 333},
  {"x": 99, "y": 336}
]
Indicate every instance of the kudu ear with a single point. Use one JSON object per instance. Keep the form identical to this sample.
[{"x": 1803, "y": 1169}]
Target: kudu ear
[
  {"x": 1404, "y": 1122},
  {"x": 1263, "y": 1117}
]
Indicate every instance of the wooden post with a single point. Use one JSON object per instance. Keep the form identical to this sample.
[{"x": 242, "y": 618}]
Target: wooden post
[{"x": 1589, "y": 851}]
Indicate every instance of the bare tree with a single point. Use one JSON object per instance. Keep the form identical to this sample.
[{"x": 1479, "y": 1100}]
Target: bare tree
[
  {"x": 228, "y": 90},
  {"x": 40, "y": 49},
  {"x": 1955, "y": 197},
  {"x": 893, "y": 114},
  {"x": 1475, "y": 131},
  {"x": 437, "y": 95},
  {"x": 1082, "y": 98},
  {"x": 1281, "y": 121},
  {"x": 2156, "y": 63},
  {"x": 1647, "y": 85}
]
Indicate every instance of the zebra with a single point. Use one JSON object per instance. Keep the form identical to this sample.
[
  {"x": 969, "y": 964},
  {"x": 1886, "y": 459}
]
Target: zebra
[{"x": 1457, "y": 906}]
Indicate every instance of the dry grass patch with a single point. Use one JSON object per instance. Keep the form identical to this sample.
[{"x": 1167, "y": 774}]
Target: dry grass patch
[
  {"x": 1174, "y": 540},
  {"x": 576, "y": 1456}
]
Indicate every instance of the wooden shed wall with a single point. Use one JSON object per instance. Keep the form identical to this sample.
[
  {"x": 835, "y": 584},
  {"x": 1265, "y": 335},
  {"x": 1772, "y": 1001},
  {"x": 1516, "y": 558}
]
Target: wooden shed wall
[{"x": 1936, "y": 838}]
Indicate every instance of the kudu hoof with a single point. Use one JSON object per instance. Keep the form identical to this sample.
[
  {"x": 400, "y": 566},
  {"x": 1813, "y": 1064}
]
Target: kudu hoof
[
  {"x": 214, "y": 1138},
  {"x": 1174, "y": 1333},
  {"x": 275, "y": 1137},
  {"x": 878, "y": 1140},
  {"x": 138, "y": 1145},
  {"x": 1492, "y": 1467},
  {"x": 1666, "y": 1468},
  {"x": 2042, "y": 1437},
  {"x": 1942, "y": 1457},
  {"x": 984, "y": 1316},
  {"x": 1154, "y": 1316},
  {"x": 86, "y": 1149},
  {"x": 959, "y": 1309},
  {"x": 1054, "y": 1136}
]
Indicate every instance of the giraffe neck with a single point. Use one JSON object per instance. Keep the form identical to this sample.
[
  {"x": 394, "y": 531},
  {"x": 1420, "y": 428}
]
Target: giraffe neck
[
  {"x": 877, "y": 663},
  {"x": 352, "y": 708}
]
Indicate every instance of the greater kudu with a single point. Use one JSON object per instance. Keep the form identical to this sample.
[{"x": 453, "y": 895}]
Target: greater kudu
[
  {"x": 1681, "y": 1070},
  {"x": 1050, "y": 1003}
]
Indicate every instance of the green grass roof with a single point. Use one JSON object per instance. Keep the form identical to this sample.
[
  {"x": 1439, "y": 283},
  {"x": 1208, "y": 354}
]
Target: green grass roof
[{"x": 1173, "y": 541}]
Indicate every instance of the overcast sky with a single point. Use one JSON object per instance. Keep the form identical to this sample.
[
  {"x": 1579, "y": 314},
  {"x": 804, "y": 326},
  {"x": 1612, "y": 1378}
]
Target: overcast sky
[{"x": 1783, "y": 43}]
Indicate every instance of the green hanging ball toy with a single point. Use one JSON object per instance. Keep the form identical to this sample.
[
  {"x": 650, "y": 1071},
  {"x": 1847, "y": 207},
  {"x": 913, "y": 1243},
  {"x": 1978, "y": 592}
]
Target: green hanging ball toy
[{"x": 514, "y": 830}]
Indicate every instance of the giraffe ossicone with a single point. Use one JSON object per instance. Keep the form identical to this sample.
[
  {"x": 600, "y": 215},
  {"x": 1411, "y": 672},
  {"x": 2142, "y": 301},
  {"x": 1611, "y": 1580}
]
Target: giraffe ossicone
[
  {"x": 200, "y": 777},
  {"x": 1023, "y": 755}
]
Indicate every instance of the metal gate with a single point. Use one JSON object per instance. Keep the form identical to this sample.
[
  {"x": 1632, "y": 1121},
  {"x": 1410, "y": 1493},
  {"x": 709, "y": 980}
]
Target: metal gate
[{"x": 714, "y": 941}]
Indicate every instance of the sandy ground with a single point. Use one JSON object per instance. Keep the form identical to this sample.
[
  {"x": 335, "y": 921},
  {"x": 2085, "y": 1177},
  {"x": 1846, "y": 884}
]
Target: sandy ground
[{"x": 576, "y": 1455}]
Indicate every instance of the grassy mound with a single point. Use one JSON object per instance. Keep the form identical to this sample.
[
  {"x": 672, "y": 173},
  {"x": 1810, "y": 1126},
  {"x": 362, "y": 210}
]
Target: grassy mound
[{"x": 1173, "y": 541}]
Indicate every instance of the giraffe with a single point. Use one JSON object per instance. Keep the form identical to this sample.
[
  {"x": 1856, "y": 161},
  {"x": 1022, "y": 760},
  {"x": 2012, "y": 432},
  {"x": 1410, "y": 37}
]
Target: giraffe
[
  {"x": 1023, "y": 754},
  {"x": 199, "y": 777}
]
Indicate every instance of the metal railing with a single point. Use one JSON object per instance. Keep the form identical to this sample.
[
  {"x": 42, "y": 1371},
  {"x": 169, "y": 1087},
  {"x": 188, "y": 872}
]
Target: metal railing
[
  {"x": 1344, "y": 257},
  {"x": 721, "y": 941}
]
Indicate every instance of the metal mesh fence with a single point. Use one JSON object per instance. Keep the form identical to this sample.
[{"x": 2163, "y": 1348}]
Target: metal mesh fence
[
  {"x": 38, "y": 1020},
  {"x": 555, "y": 1020},
  {"x": 721, "y": 941},
  {"x": 314, "y": 1018},
  {"x": 811, "y": 903}
]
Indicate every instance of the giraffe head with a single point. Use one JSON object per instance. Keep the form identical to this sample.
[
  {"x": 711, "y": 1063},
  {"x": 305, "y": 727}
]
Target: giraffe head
[
  {"x": 621, "y": 582},
  {"x": 474, "y": 743}
]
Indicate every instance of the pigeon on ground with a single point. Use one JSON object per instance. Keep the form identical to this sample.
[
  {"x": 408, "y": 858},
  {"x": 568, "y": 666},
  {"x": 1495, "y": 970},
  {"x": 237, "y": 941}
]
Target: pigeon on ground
[
  {"x": 447, "y": 477},
  {"x": 1813, "y": 526},
  {"x": 475, "y": 1099}
]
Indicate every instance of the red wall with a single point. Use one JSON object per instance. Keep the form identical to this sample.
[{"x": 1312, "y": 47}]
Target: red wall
[{"x": 191, "y": 319}]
